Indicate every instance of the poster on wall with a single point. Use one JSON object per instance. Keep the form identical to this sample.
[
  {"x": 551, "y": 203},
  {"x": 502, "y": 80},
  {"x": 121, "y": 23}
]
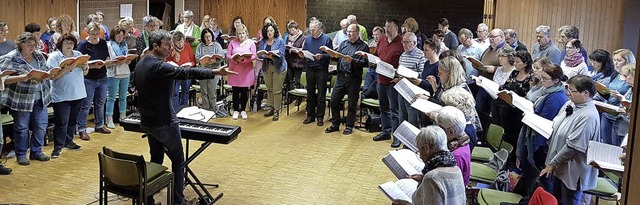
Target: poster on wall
[{"x": 126, "y": 10}]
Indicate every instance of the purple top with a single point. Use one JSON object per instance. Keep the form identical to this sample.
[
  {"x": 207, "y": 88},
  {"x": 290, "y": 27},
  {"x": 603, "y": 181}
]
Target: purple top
[{"x": 463, "y": 160}]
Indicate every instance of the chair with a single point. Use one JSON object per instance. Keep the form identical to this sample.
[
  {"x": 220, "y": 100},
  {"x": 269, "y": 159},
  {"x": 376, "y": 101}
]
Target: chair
[
  {"x": 494, "y": 137},
  {"x": 492, "y": 197},
  {"x": 605, "y": 189},
  {"x": 299, "y": 93},
  {"x": 327, "y": 98},
  {"x": 369, "y": 103},
  {"x": 130, "y": 176}
]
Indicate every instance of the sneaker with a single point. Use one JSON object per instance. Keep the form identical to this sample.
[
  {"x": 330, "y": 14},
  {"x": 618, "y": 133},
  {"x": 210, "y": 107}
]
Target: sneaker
[
  {"x": 40, "y": 157},
  {"x": 235, "y": 115},
  {"x": 244, "y": 115},
  {"x": 110, "y": 124},
  {"x": 4, "y": 170},
  {"x": 72, "y": 146},
  {"x": 56, "y": 152},
  {"x": 23, "y": 161}
]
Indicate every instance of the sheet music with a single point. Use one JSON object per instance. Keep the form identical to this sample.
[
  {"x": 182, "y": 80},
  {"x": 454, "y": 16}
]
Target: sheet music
[
  {"x": 385, "y": 69},
  {"x": 408, "y": 90},
  {"x": 541, "y": 125},
  {"x": 373, "y": 59},
  {"x": 308, "y": 55},
  {"x": 605, "y": 156},
  {"x": 624, "y": 141},
  {"x": 403, "y": 163},
  {"x": 521, "y": 103},
  {"x": 407, "y": 133},
  {"x": 402, "y": 189},
  {"x": 425, "y": 106},
  {"x": 488, "y": 85},
  {"x": 195, "y": 113},
  {"x": 608, "y": 107},
  {"x": 406, "y": 72}
]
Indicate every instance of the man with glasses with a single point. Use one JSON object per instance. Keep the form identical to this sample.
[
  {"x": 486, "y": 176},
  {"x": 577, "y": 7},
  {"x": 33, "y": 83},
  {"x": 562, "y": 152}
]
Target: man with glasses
[
  {"x": 568, "y": 33},
  {"x": 483, "y": 36},
  {"x": 317, "y": 72},
  {"x": 511, "y": 37},
  {"x": 544, "y": 47},
  {"x": 467, "y": 46},
  {"x": 349, "y": 78},
  {"x": 412, "y": 58},
  {"x": 341, "y": 35},
  {"x": 490, "y": 56},
  {"x": 6, "y": 45}
]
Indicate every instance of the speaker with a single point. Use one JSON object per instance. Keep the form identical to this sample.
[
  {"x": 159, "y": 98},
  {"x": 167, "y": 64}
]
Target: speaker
[{"x": 373, "y": 124}]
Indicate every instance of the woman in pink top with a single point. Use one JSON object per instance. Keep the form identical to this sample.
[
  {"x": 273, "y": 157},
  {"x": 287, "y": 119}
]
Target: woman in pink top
[{"x": 240, "y": 54}]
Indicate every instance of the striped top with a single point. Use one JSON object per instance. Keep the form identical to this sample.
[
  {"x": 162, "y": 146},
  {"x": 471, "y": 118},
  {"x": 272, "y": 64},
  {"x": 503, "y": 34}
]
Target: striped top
[{"x": 413, "y": 60}]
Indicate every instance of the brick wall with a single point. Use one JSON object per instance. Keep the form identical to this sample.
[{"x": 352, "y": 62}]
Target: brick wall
[
  {"x": 194, "y": 5},
  {"x": 111, "y": 10},
  {"x": 371, "y": 13}
]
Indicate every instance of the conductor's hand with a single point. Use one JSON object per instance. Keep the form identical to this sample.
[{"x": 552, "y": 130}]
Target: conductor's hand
[{"x": 224, "y": 71}]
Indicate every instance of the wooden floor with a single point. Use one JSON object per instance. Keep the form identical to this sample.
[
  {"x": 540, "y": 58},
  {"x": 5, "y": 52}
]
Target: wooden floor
[{"x": 282, "y": 162}]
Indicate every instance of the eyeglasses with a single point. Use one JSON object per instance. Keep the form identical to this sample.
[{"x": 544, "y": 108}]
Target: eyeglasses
[
  {"x": 574, "y": 91},
  {"x": 493, "y": 36},
  {"x": 480, "y": 31},
  {"x": 407, "y": 42},
  {"x": 546, "y": 79}
]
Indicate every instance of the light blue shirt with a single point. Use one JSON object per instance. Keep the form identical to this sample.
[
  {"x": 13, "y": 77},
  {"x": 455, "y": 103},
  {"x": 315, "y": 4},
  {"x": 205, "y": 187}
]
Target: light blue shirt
[
  {"x": 340, "y": 36},
  {"x": 70, "y": 86},
  {"x": 473, "y": 51}
]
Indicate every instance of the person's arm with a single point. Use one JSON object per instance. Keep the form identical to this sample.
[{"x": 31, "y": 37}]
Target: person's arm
[
  {"x": 325, "y": 55},
  {"x": 555, "y": 56},
  {"x": 565, "y": 154},
  {"x": 361, "y": 61}
]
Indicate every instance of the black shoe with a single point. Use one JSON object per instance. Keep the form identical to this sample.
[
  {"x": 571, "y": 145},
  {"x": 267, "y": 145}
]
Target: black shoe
[
  {"x": 396, "y": 143},
  {"x": 72, "y": 146},
  {"x": 320, "y": 123},
  {"x": 23, "y": 161},
  {"x": 56, "y": 152},
  {"x": 269, "y": 113},
  {"x": 347, "y": 130},
  {"x": 331, "y": 129},
  {"x": 381, "y": 137},
  {"x": 4, "y": 170},
  {"x": 308, "y": 120},
  {"x": 40, "y": 157}
]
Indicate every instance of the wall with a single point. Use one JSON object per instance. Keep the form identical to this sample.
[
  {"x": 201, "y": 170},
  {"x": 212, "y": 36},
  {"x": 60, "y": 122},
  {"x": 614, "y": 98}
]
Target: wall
[
  {"x": 18, "y": 13},
  {"x": 252, "y": 13},
  {"x": 600, "y": 22},
  {"x": 194, "y": 5},
  {"x": 631, "y": 25},
  {"x": 371, "y": 13},
  {"x": 111, "y": 10}
]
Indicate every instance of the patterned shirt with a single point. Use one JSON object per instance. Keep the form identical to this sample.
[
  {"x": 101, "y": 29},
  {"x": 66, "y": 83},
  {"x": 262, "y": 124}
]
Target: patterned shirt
[{"x": 22, "y": 95}]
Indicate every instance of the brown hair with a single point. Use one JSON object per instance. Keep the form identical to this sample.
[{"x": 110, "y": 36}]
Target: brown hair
[
  {"x": 115, "y": 31},
  {"x": 65, "y": 19},
  {"x": 67, "y": 37},
  {"x": 411, "y": 24}
]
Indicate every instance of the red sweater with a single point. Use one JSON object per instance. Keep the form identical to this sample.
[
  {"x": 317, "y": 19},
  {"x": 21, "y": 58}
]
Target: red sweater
[
  {"x": 390, "y": 53},
  {"x": 186, "y": 55}
]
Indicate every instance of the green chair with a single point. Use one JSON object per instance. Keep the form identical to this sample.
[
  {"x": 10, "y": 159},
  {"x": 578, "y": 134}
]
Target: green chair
[
  {"x": 495, "y": 197},
  {"x": 299, "y": 93},
  {"x": 494, "y": 137},
  {"x": 605, "y": 189},
  {"x": 370, "y": 103},
  {"x": 482, "y": 173},
  {"x": 332, "y": 83},
  {"x": 130, "y": 176}
]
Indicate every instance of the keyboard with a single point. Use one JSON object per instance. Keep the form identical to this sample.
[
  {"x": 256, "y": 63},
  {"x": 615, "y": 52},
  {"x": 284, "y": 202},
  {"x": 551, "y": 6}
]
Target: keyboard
[{"x": 191, "y": 129}]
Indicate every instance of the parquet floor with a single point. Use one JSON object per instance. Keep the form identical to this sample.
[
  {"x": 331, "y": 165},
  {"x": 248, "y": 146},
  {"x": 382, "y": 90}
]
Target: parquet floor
[{"x": 284, "y": 162}]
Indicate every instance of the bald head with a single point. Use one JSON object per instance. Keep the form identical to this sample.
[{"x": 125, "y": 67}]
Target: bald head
[
  {"x": 352, "y": 19},
  {"x": 496, "y": 37}
]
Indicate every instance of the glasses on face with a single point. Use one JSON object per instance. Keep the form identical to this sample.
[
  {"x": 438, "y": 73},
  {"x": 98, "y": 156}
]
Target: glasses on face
[
  {"x": 573, "y": 91},
  {"x": 545, "y": 79},
  {"x": 480, "y": 31},
  {"x": 493, "y": 36},
  {"x": 407, "y": 42},
  {"x": 68, "y": 43}
]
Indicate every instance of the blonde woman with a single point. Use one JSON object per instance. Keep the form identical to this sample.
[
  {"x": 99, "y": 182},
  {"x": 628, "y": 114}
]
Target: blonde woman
[
  {"x": 64, "y": 25},
  {"x": 243, "y": 65},
  {"x": 212, "y": 24}
]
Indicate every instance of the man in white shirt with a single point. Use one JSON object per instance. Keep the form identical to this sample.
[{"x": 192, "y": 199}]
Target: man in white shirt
[
  {"x": 483, "y": 36},
  {"x": 341, "y": 35}
]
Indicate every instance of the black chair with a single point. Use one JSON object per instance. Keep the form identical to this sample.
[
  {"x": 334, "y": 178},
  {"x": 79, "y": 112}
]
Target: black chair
[{"x": 130, "y": 176}]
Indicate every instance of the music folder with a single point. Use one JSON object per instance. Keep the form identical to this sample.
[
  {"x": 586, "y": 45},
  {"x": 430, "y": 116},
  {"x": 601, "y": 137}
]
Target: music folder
[{"x": 195, "y": 113}]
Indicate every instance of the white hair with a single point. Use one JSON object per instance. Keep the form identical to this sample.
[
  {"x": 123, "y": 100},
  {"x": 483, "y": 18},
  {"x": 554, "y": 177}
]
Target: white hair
[
  {"x": 544, "y": 29},
  {"x": 344, "y": 22},
  {"x": 352, "y": 18},
  {"x": 411, "y": 36},
  {"x": 432, "y": 136},
  {"x": 460, "y": 98},
  {"x": 483, "y": 26},
  {"x": 187, "y": 14},
  {"x": 451, "y": 117}
]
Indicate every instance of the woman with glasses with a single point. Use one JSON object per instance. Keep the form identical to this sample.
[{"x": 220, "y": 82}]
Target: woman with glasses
[
  {"x": 532, "y": 147},
  {"x": 573, "y": 63}
]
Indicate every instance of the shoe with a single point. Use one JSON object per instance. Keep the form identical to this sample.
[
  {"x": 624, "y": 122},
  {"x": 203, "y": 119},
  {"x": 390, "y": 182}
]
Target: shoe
[
  {"x": 235, "y": 115},
  {"x": 122, "y": 117},
  {"x": 347, "y": 130},
  {"x": 72, "y": 146},
  {"x": 396, "y": 143},
  {"x": 269, "y": 113},
  {"x": 276, "y": 116},
  {"x": 308, "y": 120},
  {"x": 320, "y": 123},
  {"x": 103, "y": 130},
  {"x": 331, "y": 129},
  {"x": 244, "y": 115},
  {"x": 110, "y": 122},
  {"x": 84, "y": 135},
  {"x": 40, "y": 157},
  {"x": 4, "y": 170},
  {"x": 381, "y": 137},
  {"x": 23, "y": 161},
  {"x": 56, "y": 152}
]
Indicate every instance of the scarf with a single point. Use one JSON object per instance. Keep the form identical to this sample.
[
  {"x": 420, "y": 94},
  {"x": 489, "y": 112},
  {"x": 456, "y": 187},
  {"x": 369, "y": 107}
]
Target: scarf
[
  {"x": 458, "y": 142},
  {"x": 573, "y": 60},
  {"x": 145, "y": 36},
  {"x": 439, "y": 159},
  {"x": 547, "y": 91},
  {"x": 120, "y": 49}
]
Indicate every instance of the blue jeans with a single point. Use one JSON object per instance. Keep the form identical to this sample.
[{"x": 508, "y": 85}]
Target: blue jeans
[
  {"x": 388, "y": 108},
  {"x": 181, "y": 94},
  {"x": 370, "y": 78},
  {"x": 565, "y": 195},
  {"x": 406, "y": 112},
  {"x": 65, "y": 115},
  {"x": 36, "y": 121},
  {"x": 168, "y": 138},
  {"x": 120, "y": 86},
  {"x": 609, "y": 130},
  {"x": 96, "y": 95}
]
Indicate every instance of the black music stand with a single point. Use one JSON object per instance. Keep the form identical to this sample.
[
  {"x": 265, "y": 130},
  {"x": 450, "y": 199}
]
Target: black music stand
[{"x": 200, "y": 188}]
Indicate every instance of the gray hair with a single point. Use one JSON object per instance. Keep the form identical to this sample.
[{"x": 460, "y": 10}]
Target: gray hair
[
  {"x": 460, "y": 98},
  {"x": 344, "y": 22},
  {"x": 147, "y": 20},
  {"x": 432, "y": 136},
  {"x": 511, "y": 33},
  {"x": 23, "y": 38},
  {"x": 93, "y": 26},
  {"x": 466, "y": 32},
  {"x": 318, "y": 23},
  {"x": 158, "y": 36},
  {"x": 544, "y": 29},
  {"x": 570, "y": 31},
  {"x": 451, "y": 117},
  {"x": 176, "y": 35},
  {"x": 352, "y": 18},
  {"x": 483, "y": 26},
  {"x": 187, "y": 14},
  {"x": 412, "y": 36}
]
